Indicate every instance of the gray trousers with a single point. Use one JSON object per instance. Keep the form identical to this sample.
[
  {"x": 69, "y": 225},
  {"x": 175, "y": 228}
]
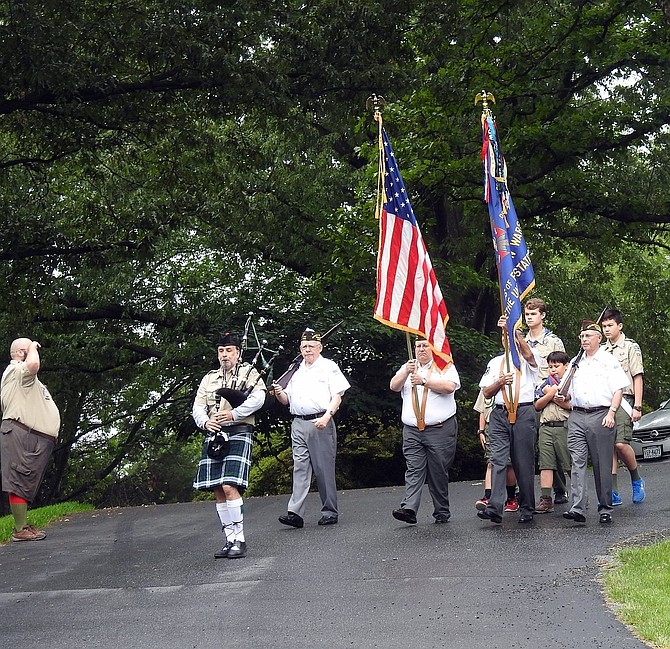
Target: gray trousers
[
  {"x": 518, "y": 442},
  {"x": 586, "y": 434},
  {"x": 429, "y": 454},
  {"x": 313, "y": 451}
]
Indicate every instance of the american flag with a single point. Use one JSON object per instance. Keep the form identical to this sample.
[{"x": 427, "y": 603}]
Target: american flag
[
  {"x": 515, "y": 271},
  {"x": 408, "y": 295}
]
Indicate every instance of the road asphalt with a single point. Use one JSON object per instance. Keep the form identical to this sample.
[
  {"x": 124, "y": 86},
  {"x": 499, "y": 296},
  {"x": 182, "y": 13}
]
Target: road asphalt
[{"x": 146, "y": 577}]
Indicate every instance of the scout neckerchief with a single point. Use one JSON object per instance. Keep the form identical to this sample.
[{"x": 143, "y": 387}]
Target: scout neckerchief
[
  {"x": 421, "y": 414},
  {"x": 510, "y": 404}
]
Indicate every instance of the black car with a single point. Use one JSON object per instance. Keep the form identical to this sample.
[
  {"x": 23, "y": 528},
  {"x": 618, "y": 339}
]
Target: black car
[{"x": 651, "y": 435}]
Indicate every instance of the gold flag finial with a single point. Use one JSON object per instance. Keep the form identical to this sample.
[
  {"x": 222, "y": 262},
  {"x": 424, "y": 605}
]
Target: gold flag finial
[
  {"x": 376, "y": 103},
  {"x": 484, "y": 97}
]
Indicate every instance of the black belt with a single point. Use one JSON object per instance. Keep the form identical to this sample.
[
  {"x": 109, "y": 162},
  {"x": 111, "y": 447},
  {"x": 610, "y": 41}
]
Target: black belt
[
  {"x": 314, "y": 415},
  {"x": 589, "y": 410},
  {"x": 28, "y": 429},
  {"x": 526, "y": 403},
  {"x": 237, "y": 429},
  {"x": 553, "y": 424}
]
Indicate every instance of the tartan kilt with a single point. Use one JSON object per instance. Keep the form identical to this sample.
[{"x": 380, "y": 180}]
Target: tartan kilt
[{"x": 231, "y": 470}]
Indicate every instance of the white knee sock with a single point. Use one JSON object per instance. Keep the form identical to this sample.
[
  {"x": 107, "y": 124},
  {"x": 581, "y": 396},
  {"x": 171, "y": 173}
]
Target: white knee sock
[
  {"x": 237, "y": 517},
  {"x": 226, "y": 520}
]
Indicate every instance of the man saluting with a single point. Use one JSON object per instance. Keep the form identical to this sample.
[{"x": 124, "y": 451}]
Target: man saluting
[{"x": 30, "y": 425}]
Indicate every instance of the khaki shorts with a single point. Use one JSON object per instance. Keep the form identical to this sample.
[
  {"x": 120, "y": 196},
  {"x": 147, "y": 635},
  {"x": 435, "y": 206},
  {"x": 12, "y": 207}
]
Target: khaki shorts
[
  {"x": 552, "y": 444},
  {"x": 624, "y": 427},
  {"x": 24, "y": 458}
]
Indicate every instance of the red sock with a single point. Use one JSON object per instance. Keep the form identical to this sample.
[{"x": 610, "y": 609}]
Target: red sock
[{"x": 16, "y": 500}]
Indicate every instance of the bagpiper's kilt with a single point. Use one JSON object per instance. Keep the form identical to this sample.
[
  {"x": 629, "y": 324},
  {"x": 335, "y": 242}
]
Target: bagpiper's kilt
[{"x": 233, "y": 469}]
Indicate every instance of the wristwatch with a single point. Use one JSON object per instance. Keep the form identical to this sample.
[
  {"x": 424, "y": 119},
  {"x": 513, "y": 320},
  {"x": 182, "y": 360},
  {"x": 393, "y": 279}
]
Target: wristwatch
[
  {"x": 423, "y": 380},
  {"x": 638, "y": 408}
]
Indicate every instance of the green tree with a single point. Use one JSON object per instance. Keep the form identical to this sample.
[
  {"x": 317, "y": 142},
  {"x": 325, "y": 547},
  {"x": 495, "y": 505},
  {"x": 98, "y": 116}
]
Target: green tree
[{"x": 167, "y": 169}]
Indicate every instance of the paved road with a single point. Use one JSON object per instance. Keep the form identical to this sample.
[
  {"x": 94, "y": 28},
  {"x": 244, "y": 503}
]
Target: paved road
[{"x": 145, "y": 577}]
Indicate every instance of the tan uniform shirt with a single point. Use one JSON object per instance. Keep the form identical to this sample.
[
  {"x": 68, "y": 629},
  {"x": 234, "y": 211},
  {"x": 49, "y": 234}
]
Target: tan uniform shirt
[
  {"x": 207, "y": 401},
  {"x": 26, "y": 399},
  {"x": 543, "y": 346},
  {"x": 552, "y": 411},
  {"x": 629, "y": 355},
  {"x": 484, "y": 406}
]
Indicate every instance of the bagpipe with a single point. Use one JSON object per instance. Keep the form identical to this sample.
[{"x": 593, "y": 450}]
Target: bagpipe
[{"x": 242, "y": 386}]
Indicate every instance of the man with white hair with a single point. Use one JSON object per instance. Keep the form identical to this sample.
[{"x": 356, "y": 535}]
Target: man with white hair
[
  {"x": 595, "y": 391},
  {"x": 313, "y": 395}
]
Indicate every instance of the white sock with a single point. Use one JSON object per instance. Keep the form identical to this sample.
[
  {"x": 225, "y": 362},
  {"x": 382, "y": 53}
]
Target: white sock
[
  {"x": 226, "y": 520},
  {"x": 237, "y": 518}
]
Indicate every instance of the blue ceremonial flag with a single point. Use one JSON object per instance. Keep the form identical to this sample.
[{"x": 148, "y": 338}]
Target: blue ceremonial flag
[{"x": 515, "y": 271}]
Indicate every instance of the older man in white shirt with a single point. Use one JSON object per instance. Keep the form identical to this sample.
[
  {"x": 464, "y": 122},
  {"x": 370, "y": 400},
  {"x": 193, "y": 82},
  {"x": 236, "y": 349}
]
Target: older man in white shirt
[
  {"x": 313, "y": 395},
  {"x": 427, "y": 395},
  {"x": 595, "y": 391}
]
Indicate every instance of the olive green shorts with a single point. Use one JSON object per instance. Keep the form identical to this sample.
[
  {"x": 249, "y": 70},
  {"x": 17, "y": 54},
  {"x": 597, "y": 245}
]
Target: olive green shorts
[
  {"x": 553, "y": 448},
  {"x": 624, "y": 427}
]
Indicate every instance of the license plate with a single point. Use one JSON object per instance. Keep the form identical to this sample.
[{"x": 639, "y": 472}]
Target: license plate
[{"x": 650, "y": 452}]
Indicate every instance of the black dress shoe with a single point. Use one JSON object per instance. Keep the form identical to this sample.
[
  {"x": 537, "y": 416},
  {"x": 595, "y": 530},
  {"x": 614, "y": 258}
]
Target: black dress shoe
[
  {"x": 405, "y": 515},
  {"x": 605, "y": 517},
  {"x": 292, "y": 519},
  {"x": 574, "y": 516},
  {"x": 490, "y": 516},
  {"x": 238, "y": 550},
  {"x": 526, "y": 518},
  {"x": 328, "y": 520},
  {"x": 442, "y": 518},
  {"x": 223, "y": 552}
]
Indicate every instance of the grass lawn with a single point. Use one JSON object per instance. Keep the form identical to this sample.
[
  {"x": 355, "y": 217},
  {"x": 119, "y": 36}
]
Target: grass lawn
[
  {"x": 638, "y": 588},
  {"x": 41, "y": 517}
]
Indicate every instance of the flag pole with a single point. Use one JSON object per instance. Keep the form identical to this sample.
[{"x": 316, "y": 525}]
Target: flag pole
[
  {"x": 420, "y": 423},
  {"x": 376, "y": 103}
]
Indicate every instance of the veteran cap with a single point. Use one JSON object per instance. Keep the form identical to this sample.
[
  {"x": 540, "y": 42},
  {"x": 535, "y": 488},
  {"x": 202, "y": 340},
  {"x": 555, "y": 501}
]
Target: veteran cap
[
  {"x": 590, "y": 325},
  {"x": 310, "y": 334}
]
